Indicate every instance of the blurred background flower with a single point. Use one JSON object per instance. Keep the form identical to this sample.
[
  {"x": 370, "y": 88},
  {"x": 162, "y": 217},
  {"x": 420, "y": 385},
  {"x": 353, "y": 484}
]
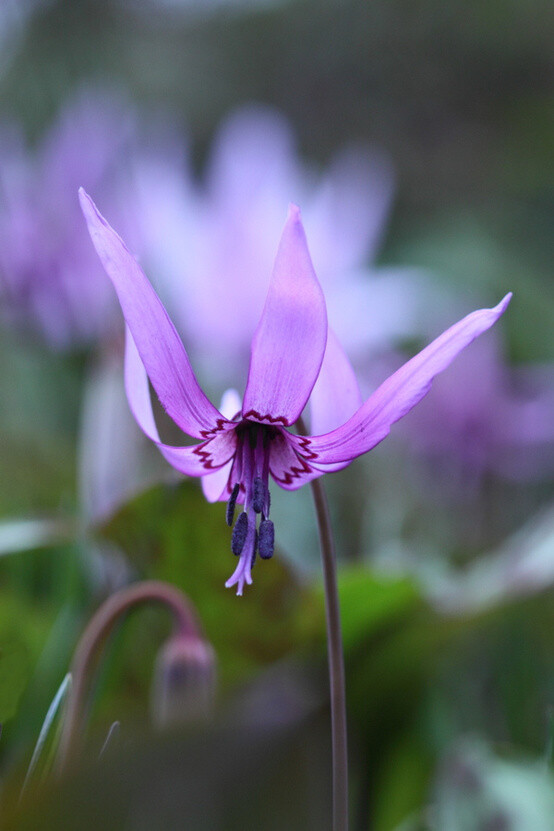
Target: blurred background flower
[
  {"x": 50, "y": 281},
  {"x": 218, "y": 238}
]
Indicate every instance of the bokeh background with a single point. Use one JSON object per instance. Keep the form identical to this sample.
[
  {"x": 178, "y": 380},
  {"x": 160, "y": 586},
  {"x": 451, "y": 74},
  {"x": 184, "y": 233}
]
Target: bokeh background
[{"x": 417, "y": 139}]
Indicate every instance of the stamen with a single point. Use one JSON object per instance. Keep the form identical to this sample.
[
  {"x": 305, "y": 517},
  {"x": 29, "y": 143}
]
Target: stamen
[
  {"x": 230, "y": 512},
  {"x": 239, "y": 534},
  {"x": 258, "y": 495},
  {"x": 266, "y": 539},
  {"x": 254, "y": 549},
  {"x": 251, "y": 473}
]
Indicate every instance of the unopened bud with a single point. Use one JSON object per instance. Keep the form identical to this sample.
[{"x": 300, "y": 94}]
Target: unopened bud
[{"x": 184, "y": 681}]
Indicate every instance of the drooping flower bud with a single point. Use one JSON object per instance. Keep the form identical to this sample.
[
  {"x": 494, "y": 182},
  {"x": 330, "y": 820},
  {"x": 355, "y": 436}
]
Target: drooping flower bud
[{"x": 184, "y": 681}]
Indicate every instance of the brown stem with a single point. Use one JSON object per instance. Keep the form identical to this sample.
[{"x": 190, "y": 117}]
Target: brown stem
[
  {"x": 93, "y": 639},
  {"x": 335, "y": 656}
]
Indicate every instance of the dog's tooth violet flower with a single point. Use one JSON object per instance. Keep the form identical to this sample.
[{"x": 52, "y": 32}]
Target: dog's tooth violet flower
[{"x": 240, "y": 448}]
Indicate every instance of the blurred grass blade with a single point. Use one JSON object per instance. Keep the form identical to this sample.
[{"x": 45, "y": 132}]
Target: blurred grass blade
[
  {"x": 18, "y": 535},
  {"x": 112, "y": 736},
  {"x": 549, "y": 750},
  {"x": 57, "y": 701}
]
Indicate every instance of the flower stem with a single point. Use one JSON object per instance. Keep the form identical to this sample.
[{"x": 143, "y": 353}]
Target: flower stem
[
  {"x": 336, "y": 660},
  {"x": 93, "y": 639},
  {"x": 334, "y": 654}
]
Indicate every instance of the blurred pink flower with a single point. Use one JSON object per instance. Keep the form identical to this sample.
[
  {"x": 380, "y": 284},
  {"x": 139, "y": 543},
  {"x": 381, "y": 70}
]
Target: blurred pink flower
[
  {"x": 208, "y": 245},
  {"x": 50, "y": 280}
]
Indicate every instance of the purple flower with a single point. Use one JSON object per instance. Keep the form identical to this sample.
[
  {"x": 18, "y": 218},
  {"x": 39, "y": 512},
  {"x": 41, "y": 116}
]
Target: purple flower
[
  {"x": 193, "y": 232},
  {"x": 50, "y": 279},
  {"x": 243, "y": 445}
]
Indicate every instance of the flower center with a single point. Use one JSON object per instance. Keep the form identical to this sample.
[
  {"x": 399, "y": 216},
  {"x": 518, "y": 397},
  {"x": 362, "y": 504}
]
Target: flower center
[{"x": 253, "y": 533}]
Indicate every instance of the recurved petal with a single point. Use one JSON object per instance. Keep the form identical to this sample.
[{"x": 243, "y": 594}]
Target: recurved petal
[
  {"x": 198, "y": 460},
  {"x": 214, "y": 485},
  {"x": 289, "y": 342},
  {"x": 289, "y": 469},
  {"x": 399, "y": 393},
  {"x": 160, "y": 347}
]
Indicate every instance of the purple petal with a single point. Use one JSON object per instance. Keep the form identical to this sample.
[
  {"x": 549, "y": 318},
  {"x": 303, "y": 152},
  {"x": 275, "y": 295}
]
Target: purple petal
[
  {"x": 231, "y": 404},
  {"x": 289, "y": 343},
  {"x": 157, "y": 341},
  {"x": 215, "y": 485},
  {"x": 398, "y": 394},
  {"x": 198, "y": 460},
  {"x": 286, "y": 465}
]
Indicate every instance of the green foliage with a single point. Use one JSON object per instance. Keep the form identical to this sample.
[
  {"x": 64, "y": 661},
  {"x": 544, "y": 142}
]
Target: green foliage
[
  {"x": 23, "y": 627},
  {"x": 370, "y": 603},
  {"x": 173, "y": 534}
]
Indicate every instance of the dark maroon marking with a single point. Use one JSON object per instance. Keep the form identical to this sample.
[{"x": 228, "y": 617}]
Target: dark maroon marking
[
  {"x": 205, "y": 456},
  {"x": 293, "y": 472},
  {"x": 219, "y": 428},
  {"x": 263, "y": 418},
  {"x": 305, "y": 445}
]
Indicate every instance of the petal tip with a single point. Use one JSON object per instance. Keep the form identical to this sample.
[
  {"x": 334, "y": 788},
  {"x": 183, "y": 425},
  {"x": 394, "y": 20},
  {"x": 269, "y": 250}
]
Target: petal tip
[
  {"x": 293, "y": 213},
  {"x": 87, "y": 205},
  {"x": 84, "y": 198},
  {"x": 502, "y": 306}
]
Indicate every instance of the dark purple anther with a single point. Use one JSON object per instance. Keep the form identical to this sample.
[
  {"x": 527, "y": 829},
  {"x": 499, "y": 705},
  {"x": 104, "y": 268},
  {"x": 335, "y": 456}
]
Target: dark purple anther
[
  {"x": 230, "y": 512},
  {"x": 266, "y": 539},
  {"x": 259, "y": 492},
  {"x": 239, "y": 534}
]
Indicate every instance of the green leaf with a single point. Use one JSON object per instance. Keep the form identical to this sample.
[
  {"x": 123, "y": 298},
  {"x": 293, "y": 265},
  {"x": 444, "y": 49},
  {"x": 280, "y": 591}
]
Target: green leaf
[
  {"x": 370, "y": 602},
  {"x": 173, "y": 534},
  {"x": 22, "y": 632}
]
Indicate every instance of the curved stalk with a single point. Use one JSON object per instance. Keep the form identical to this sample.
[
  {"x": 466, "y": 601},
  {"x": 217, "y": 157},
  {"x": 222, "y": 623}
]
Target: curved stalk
[
  {"x": 93, "y": 639},
  {"x": 334, "y": 655}
]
